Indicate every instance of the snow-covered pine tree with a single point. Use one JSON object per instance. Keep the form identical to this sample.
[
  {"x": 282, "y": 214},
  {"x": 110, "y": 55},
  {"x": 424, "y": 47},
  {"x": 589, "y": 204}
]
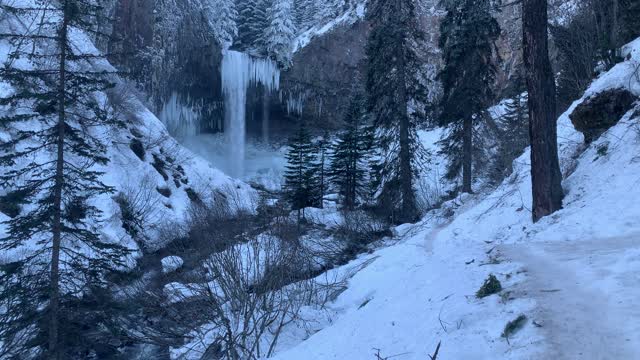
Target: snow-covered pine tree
[
  {"x": 252, "y": 24},
  {"x": 467, "y": 39},
  {"x": 300, "y": 171},
  {"x": 393, "y": 86},
  {"x": 223, "y": 17},
  {"x": 281, "y": 32},
  {"x": 57, "y": 122},
  {"x": 305, "y": 11},
  {"x": 348, "y": 170}
]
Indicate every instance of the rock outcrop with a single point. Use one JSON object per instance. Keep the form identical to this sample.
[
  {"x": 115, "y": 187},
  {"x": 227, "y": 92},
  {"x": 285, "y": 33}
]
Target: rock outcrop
[{"x": 601, "y": 111}]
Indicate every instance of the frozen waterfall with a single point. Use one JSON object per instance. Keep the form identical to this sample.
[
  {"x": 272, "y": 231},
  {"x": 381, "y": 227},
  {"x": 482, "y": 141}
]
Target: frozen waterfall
[{"x": 239, "y": 72}]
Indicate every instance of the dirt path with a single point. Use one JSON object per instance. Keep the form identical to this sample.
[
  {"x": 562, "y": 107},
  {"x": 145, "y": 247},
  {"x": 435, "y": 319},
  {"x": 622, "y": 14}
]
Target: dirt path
[{"x": 588, "y": 294}]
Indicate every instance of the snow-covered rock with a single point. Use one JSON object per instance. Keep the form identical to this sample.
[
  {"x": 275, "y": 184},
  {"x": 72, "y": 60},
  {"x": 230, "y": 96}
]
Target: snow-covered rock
[{"x": 171, "y": 264}]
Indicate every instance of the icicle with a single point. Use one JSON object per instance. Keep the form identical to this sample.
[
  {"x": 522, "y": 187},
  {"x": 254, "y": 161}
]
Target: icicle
[
  {"x": 239, "y": 71},
  {"x": 181, "y": 120}
]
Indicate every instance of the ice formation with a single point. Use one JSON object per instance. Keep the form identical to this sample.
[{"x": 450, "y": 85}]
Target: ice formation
[
  {"x": 181, "y": 120},
  {"x": 239, "y": 72}
]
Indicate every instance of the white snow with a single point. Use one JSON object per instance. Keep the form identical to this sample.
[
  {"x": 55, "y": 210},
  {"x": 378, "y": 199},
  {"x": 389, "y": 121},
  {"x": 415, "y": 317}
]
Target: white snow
[{"x": 349, "y": 17}]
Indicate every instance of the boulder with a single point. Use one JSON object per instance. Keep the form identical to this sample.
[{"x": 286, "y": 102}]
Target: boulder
[{"x": 601, "y": 111}]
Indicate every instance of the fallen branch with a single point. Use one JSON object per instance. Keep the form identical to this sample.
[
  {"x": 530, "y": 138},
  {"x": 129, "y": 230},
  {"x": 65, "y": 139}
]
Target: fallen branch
[{"x": 435, "y": 354}]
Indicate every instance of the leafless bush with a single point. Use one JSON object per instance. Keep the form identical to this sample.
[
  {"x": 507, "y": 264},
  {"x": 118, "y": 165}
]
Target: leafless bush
[
  {"x": 358, "y": 229},
  {"x": 251, "y": 293},
  {"x": 139, "y": 209},
  {"x": 125, "y": 99}
]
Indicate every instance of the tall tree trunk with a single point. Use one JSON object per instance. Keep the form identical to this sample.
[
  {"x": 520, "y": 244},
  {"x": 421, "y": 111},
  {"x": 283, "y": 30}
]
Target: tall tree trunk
[
  {"x": 54, "y": 292},
  {"x": 467, "y": 150},
  {"x": 409, "y": 211},
  {"x": 545, "y": 168}
]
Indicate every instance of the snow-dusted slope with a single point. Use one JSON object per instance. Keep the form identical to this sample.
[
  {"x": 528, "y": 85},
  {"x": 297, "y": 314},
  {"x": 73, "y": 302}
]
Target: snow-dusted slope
[
  {"x": 349, "y": 16},
  {"x": 164, "y": 172},
  {"x": 573, "y": 274}
]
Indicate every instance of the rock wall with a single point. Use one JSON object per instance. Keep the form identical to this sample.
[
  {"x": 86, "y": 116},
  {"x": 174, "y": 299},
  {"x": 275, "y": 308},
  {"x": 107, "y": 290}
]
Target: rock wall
[
  {"x": 331, "y": 66},
  {"x": 168, "y": 48}
]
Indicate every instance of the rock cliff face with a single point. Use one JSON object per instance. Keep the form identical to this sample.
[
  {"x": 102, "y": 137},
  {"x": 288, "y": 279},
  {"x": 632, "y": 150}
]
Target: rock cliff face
[
  {"x": 331, "y": 66},
  {"x": 168, "y": 48},
  {"x": 326, "y": 72}
]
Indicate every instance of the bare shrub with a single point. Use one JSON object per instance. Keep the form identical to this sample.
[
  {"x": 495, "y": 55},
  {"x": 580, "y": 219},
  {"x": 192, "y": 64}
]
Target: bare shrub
[
  {"x": 358, "y": 230},
  {"x": 139, "y": 209}
]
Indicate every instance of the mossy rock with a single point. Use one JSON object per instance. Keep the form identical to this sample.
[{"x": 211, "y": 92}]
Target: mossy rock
[
  {"x": 137, "y": 148},
  {"x": 491, "y": 286},
  {"x": 164, "y": 191},
  {"x": 601, "y": 111},
  {"x": 160, "y": 166},
  {"x": 193, "y": 196}
]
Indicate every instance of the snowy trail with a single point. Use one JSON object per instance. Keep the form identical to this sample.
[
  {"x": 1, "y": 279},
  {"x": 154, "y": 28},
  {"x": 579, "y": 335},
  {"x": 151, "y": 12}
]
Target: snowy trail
[{"x": 587, "y": 294}]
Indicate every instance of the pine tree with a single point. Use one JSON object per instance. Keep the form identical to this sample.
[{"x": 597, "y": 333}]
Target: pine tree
[
  {"x": 305, "y": 11},
  {"x": 514, "y": 134},
  {"x": 223, "y": 19},
  {"x": 393, "y": 87},
  {"x": 57, "y": 121},
  {"x": 281, "y": 32},
  {"x": 300, "y": 174},
  {"x": 252, "y": 24},
  {"x": 348, "y": 170},
  {"x": 467, "y": 39}
]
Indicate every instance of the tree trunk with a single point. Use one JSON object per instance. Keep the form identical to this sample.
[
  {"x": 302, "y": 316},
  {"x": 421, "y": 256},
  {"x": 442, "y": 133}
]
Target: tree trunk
[
  {"x": 322, "y": 182},
  {"x": 54, "y": 291},
  {"x": 545, "y": 168},
  {"x": 467, "y": 150},
  {"x": 409, "y": 211}
]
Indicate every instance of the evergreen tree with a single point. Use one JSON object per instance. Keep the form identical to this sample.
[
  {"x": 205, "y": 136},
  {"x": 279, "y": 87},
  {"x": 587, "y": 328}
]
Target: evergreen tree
[
  {"x": 252, "y": 24},
  {"x": 514, "y": 134},
  {"x": 281, "y": 32},
  {"x": 393, "y": 87},
  {"x": 304, "y": 11},
  {"x": 223, "y": 19},
  {"x": 300, "y": 171},
  {"x": 319, "y": 175},
  {"x": 57, "y": 120},
  {"x": 348, "y": 171},
  {"x": 467, "y": 39}
]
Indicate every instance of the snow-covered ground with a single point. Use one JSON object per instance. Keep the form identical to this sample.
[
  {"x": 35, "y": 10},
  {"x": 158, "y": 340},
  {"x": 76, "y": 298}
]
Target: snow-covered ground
[{"x": 574, "y": 275}]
